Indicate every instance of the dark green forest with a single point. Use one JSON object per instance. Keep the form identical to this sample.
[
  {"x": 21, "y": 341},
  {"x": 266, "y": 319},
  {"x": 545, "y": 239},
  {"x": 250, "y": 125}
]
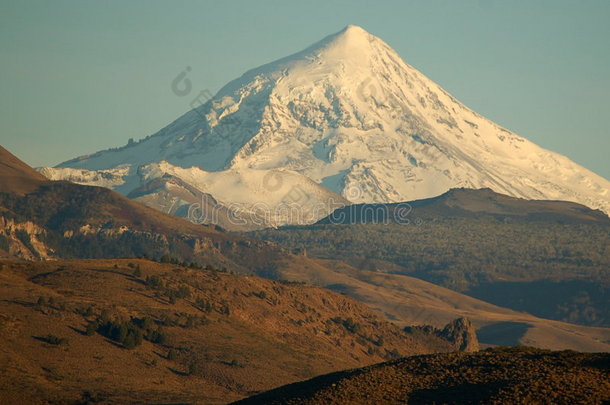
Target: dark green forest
[{"x": 508, "y": 264}]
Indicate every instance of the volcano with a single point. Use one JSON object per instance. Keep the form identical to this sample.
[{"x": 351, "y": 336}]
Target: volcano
[{"x": 343, "y": 121}]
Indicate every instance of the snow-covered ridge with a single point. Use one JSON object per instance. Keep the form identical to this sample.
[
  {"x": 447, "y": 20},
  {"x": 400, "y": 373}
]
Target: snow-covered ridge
[
  {"x": 109, "y": 178},
  {"x": 349, "y": 115},
  {"x": 270, "y": 195}
]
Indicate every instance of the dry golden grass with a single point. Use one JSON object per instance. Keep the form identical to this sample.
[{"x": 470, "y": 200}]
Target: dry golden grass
[
  {"x": 407, "y": 300},
  {"x": 246, "y": 334},
  {"x": 493, "y": 376}
]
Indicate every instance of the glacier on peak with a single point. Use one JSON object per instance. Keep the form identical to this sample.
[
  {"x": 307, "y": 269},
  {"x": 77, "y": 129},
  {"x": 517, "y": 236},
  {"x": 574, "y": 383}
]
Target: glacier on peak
[{"x": 345, "y": 114}]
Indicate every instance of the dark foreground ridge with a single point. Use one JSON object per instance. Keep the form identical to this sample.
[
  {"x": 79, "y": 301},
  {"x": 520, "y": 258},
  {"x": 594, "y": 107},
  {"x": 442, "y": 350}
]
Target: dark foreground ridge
[{"x": 494, "y": 376}]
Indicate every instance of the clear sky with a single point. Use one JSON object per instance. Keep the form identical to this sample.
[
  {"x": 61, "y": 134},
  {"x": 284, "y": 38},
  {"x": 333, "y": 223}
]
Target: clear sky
[{"x": 80, "y": 76}]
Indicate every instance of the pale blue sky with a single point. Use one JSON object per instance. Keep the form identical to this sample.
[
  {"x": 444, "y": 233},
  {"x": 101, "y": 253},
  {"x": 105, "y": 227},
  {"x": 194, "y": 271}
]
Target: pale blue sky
[{"x": 80, "y": 76}]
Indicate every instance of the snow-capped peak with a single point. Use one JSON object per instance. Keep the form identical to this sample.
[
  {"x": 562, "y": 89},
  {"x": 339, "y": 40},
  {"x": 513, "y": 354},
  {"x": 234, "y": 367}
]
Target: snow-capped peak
[
  {"x": 351, "y": 115},
  {"x": 352, "y": 43}
]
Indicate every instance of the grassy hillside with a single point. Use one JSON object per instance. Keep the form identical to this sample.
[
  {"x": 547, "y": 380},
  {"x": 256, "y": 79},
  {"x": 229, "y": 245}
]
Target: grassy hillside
[
  {"x": 497, "y": 376},
  {"x": 406, "y": 300},
  {"x": 138, "y": 331}
]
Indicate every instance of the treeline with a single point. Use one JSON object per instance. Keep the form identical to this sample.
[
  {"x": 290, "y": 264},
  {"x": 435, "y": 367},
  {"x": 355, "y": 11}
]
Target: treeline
[{"x": 466, "y": 254}]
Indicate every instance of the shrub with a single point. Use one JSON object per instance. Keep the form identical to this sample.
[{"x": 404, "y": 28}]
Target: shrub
[
  {"x": 88, "y": 311},
  {"x": 89, "y": 397},
  {"x": 91, "y": 328},
  {"x": 154, "y": 282},
  {"x": 261, "y": 295},
  {"x": 172, "y": 354},
  {"x": 156, "y": 336},
  {"x": 348, "y": 324},
  {"x": 145, "y": 323},
  {"x": 105, "y": 316},
  {"x": 225, "y": 309},
  {"x": 194, "y": 367},
  {"x": 130, "y": 333},
  {"x": 132, "y": 339},
  {"x": 54, "y": 340},
  {"x": 204, "y": 305},
  {"x": 183, "y": 292},
  {"x": 126, "y": 333},
  {"x": 4, "y": 245}
]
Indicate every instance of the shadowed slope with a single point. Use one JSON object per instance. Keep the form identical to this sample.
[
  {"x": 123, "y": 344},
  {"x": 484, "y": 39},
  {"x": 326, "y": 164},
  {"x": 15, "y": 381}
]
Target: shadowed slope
[
  {"x": 469, "y": 203},
  {"x": 502, "y": 376}
]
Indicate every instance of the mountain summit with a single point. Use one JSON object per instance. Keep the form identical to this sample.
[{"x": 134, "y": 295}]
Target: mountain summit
[{"x": 346, "y": 116}]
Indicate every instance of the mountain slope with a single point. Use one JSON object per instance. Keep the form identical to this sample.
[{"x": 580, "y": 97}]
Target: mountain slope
[
  {"x": 407, "y": 301},
  {"x": 352, "y": 116},
  {"x": 16, "y": 176},
  {"x": 221, "y": 338},
  {"x": 235, "y": 199},
  {"x": 58, "y": 219}
]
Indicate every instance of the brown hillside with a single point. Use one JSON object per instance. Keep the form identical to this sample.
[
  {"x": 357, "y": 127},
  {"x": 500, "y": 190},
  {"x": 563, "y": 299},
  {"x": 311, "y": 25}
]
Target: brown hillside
[
  {"x": 224, "y": 336},
  {"x": 407, "y": 301},
  {"x": 498, "y": 376},
  {"x": 42, "y": 219},
  {"x": 16, "y": 176}
]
